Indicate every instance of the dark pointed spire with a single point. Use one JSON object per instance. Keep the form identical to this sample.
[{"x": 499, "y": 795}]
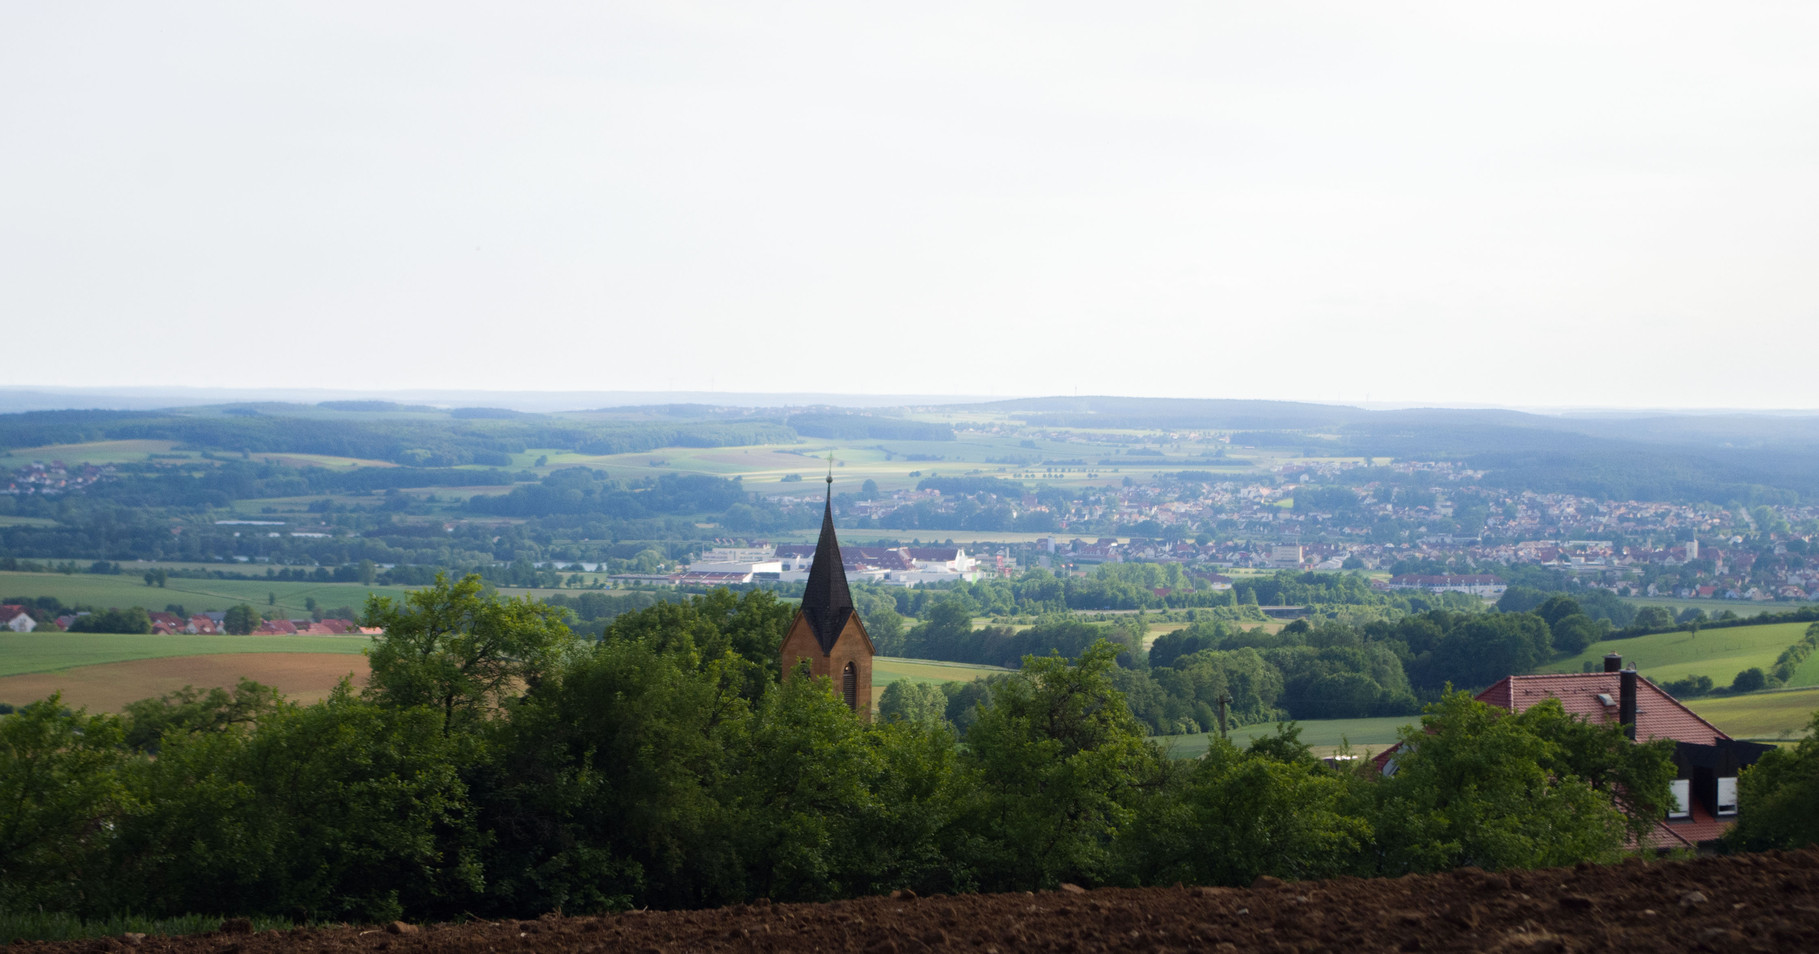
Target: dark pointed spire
[{"x": 826, "y": 602}]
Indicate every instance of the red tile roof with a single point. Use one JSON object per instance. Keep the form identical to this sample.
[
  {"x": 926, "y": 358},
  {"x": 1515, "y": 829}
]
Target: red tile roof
[
  {"x": 1658, "y": 715},
  {"x": 1702, "y": 828}
]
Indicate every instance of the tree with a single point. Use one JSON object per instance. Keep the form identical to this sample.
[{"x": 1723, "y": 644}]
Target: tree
[
  {"x": 742, "y": 634},
  {"x": 906, "y": 701},
  {"x": 459, "y": 650},
  {"x": 1653, "y": 617},
  {"x": 341, "y": 810},
  {"x": 1575, "y": 632},
  {"x": 61, "y": 792},
  {"x": 1749, "y": 680},
  {"x": 191, "y": 710},
  {"x": 1237, "y": 815},
  {"x": 1059, "y": 762},
  {"x": 240, "y": 620},
  {"x": 1476, "y": 785},
  {"x": 134, "y": 620},
  {"x": 1780, "y": 791},
  {"x": 609, "y": 786}
]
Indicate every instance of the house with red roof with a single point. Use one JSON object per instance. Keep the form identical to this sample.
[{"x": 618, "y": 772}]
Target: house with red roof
[
  {"x": 14, "y": 617},
  {"x": 1706, "y": 759}
]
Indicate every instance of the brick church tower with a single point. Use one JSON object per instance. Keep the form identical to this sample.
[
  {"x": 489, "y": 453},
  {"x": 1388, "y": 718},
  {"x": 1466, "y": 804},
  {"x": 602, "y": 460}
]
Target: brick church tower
[{"x": 827, "y": 631}]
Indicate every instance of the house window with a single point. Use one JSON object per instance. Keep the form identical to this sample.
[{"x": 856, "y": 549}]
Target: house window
[
  {"x": 1727, "y": 796},
  {"x": 1683, "y": 798},
  {"x": 849, "y": 687}
]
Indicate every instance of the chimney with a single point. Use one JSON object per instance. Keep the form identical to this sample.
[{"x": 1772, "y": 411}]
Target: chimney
[
  {"x": 1626, "y": 702},
  {"x": 1613, "y": 662}
]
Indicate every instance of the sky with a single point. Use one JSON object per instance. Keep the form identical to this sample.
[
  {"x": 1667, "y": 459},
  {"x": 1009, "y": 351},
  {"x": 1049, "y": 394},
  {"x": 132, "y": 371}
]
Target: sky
[{"x": 1534, "y": 205}]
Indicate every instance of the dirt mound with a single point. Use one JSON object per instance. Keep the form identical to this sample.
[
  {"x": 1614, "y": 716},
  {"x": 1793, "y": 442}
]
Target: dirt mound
[
  {"x": 1748, "y": 903},
  {"x": 302, "y": 677}
]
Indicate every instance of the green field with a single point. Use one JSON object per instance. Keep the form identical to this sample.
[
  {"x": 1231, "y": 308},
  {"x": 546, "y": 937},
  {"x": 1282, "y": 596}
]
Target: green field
[
  {"x": 889, "y": 462},
  {"x": 1760, "y": 716},
  {"x": 104, "y": 591},
  {"x": 1744, "y": 608},
  {"x": 1718, "y": 653},
  {"x": 889, "y": 669},
  {"x": 1326, "y": 736},
  {"x": 95, "y": 452},
  {"x": 25, "y": 653}
]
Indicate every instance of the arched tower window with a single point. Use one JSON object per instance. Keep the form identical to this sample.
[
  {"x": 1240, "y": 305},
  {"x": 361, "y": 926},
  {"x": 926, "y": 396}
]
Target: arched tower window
[{"x": 849, "y": 686}]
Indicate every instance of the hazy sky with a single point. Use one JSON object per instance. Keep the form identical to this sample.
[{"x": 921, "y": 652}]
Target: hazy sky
[{"x": 1521, "y": 204}]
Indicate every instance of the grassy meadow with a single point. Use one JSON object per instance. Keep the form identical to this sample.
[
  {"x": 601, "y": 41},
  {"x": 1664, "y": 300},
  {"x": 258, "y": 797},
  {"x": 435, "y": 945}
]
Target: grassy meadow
[
  {"x": 1743, "y": 608},
  {"x": 1365, "y": 736},
  {"x": 1760, "y": 716},
  {"x": 128, "y": 589},
  {"x": 889, "y": 669},
  {"x": 1718, "y": 653},
  {"x": 26, "y": 653}
]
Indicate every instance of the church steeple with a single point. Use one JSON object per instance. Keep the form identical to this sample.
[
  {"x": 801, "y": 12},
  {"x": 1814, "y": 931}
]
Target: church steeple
[
  {"x": 826, "y": 602},
  {"x": 827, "y": 632}
]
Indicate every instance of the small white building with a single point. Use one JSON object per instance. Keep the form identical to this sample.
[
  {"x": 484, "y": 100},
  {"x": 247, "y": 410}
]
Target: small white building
[{"x": 14, "y": 617}]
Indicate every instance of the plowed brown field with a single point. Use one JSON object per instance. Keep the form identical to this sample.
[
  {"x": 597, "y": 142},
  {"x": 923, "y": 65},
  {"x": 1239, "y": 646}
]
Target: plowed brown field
[
  {"x": 303, "y": 677},
  {"x": 1745, "y": 903}
]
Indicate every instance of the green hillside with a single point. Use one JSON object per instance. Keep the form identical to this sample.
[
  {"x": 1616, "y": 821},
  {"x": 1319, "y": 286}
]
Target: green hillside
[{"x": 1718, "y": 653}]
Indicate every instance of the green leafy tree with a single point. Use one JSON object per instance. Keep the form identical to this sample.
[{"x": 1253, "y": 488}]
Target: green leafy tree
[
  {"x": 190, "y": 710},
  {"x": 340, "y": 810},
  {"x": 1475, "y": 785},
  {"x": 882, "y": 622},
  {"x": 241, "y": 620},
  {"x": 1237, "y": 815},
  {"x": 611, "y": 787},
  {"x": 61, "y": 792},
  {"x": 807, "y": 790},
  {"x": 907, "y": 701},
  {"x": 1779, "y": 793},
  {"x": 134, "y": 620},
  {"x": 1284, "y": 746},
  {"x": 712, "y": 629},
  {"x": 459, "y": 650},
  {"x": 1059, "y": 762},
  {"x": 1575, "y": 632},
  {"x": 1749, "y": 680}
]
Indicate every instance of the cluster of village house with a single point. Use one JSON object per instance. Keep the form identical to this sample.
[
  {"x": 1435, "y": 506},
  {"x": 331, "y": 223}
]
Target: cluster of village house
[
  {"x": 1567, "y": 532},
  {"x": 15, "y": 618},
  {"x": 790, "y": 563},
  {"x": 54, "y": 477}
]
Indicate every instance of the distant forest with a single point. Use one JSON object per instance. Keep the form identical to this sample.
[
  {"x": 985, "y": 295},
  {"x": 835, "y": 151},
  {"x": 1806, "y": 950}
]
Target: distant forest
[{"x": 1755, "y": 458}]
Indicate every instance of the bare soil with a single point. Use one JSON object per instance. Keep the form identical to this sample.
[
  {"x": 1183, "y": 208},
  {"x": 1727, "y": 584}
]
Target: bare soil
[
  {"x": 302, "y": 677},
  {"x": 1767, "y": 902}
]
